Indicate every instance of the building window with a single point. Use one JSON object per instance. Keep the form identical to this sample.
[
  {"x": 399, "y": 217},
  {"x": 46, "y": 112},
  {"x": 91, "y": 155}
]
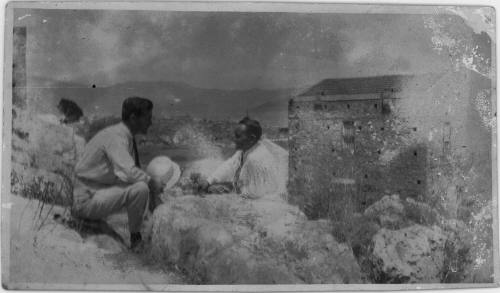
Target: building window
[
  {"x": 384, "y": 101},
  {"x": 348, "y": 132},
  {"x": 446, "y": 138}
]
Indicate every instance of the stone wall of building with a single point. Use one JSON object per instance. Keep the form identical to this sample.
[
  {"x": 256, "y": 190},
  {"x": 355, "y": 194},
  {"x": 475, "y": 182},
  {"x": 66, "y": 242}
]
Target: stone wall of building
[{"x": 346, "y": 154}]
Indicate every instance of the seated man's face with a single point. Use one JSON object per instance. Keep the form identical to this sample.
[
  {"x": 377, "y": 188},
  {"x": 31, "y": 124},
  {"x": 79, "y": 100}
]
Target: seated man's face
[{"x": 242, "y": 139}]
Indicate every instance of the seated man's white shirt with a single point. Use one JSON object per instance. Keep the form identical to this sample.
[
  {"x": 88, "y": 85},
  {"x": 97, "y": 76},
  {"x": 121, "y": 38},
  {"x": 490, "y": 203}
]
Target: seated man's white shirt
[
  {"x": 108, "y": 158},
  {"x": 264, "y": 172}
]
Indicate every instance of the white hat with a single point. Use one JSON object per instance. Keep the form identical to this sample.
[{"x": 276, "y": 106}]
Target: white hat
[{"x": 164, "y": 170}]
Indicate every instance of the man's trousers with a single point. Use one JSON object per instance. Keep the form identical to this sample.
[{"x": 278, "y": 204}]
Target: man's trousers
[{"x": 94, "y": 202}]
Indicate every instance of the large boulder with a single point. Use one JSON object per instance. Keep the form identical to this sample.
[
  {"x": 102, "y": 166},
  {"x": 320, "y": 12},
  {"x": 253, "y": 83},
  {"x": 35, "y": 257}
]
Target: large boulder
[
  {"x": 456, "y": 252},
  {"x": 224, "y": 239},
  {"x": 411, "y": 255}
]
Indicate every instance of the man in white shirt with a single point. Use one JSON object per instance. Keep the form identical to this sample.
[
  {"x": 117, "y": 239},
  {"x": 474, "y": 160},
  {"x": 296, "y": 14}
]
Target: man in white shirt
[
  {"x": 108, "y": 174},
  {"x": 258, "y": 168}
]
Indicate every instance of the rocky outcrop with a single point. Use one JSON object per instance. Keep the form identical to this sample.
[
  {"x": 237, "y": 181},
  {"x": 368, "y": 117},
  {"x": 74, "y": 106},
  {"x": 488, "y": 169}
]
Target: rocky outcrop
[
  {"x": 411, "y": 255},
  {"x": 45, "y": 252},
  {"x": 55, "y": 146},
  {"x": 417, "y": 244},
  {"x": 223, "y": 239},
  {"x": 44, "y": 153}
]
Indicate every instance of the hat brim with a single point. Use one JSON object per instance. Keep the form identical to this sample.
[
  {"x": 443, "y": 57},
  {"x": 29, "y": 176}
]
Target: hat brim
[{"x": 175, "y": 177}]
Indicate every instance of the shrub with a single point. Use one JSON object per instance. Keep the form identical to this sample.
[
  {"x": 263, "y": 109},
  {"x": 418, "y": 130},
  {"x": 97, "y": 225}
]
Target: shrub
[{"x": 43, "y": 189}]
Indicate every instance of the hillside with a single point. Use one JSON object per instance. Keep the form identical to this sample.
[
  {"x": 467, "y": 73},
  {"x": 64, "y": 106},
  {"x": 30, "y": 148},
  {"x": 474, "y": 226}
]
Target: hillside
[{"x": 170, "y": 98}]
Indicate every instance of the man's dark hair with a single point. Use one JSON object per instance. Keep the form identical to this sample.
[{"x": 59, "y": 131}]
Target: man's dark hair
[
  {"x": 253, "y": 126},
  {"x": 135, "y": 105}
]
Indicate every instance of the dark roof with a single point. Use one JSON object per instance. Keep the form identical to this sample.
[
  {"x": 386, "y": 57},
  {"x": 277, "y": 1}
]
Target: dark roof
[{"x": 362, "y": 85}]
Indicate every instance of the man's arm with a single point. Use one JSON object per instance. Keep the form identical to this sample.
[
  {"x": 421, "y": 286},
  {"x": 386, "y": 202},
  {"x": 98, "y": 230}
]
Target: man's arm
[
  {"x": 123, "y": 163},
  {"x": 226, "y": 171},
  {"x": 223, "y": 174}
]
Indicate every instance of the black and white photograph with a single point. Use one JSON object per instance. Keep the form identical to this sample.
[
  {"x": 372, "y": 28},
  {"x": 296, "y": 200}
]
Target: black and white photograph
[{"x": 160, "y": 146}]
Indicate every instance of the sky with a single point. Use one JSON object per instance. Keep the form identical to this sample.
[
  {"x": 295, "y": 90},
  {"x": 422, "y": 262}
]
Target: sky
[{"x": 225, "y": 50}]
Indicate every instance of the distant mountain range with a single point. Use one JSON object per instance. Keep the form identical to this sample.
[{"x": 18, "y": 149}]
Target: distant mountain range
[{"x": 169, "y": 98}]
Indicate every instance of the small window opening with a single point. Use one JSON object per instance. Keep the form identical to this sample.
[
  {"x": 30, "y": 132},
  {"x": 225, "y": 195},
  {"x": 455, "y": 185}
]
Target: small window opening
[{"x": 348, "y": 135}]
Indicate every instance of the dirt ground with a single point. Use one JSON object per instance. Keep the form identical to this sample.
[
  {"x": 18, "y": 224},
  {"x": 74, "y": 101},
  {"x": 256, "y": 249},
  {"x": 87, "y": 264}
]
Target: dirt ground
[{"x": 47, "y": 254}]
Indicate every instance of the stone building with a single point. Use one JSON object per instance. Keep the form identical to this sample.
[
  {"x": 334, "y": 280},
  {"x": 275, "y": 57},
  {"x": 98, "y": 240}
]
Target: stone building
[{"x": 349, "y": 146}]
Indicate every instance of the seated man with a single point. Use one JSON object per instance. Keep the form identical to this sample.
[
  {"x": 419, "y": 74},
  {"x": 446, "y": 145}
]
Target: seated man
[
  {"x": 108, "y": 174},
  {"x": 259, "y": 167}
]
